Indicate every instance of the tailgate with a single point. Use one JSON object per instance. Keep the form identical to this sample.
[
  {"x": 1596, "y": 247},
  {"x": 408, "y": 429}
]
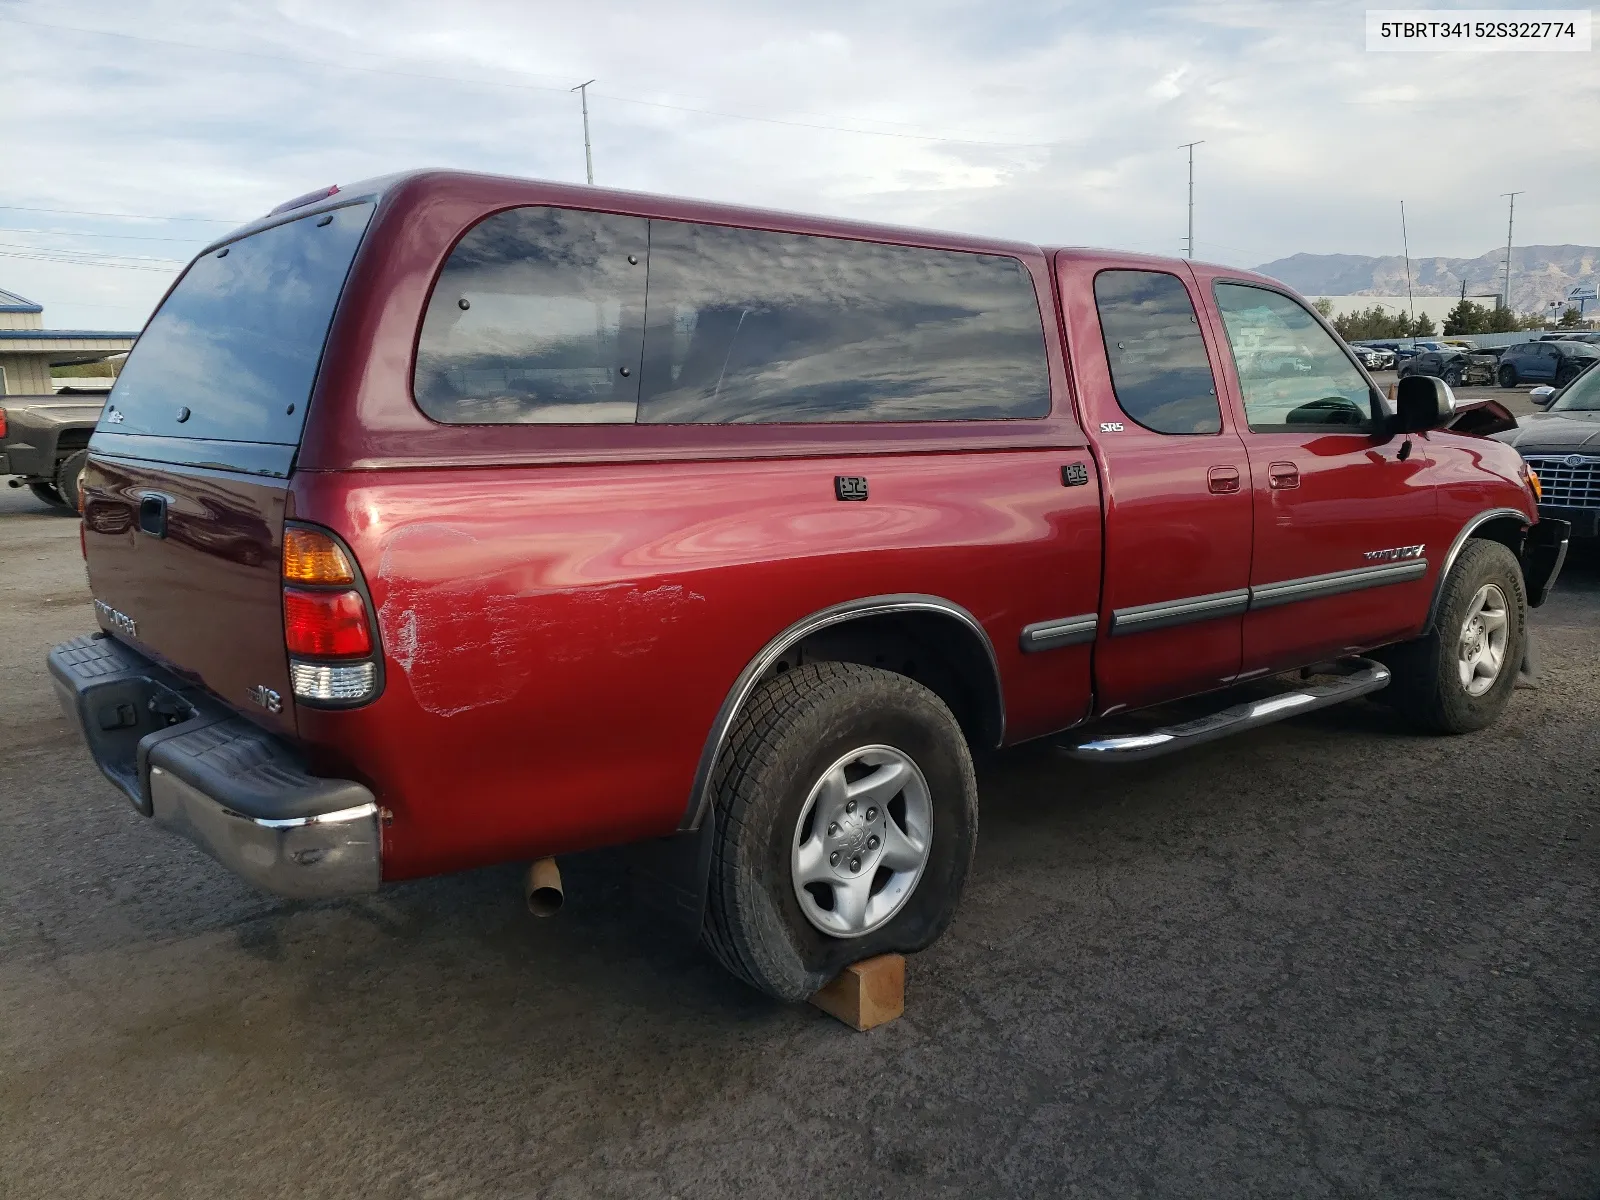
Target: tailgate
[
  {"x": 184, "y": 564},
  {"x": 188, "y": 476}
]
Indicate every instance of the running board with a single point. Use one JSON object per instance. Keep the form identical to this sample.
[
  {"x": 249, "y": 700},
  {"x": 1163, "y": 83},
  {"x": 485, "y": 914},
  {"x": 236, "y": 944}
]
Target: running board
[{"x": 1359, "y": 677}]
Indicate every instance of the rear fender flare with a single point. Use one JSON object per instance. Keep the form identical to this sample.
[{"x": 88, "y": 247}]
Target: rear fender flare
[{"x": 837, "y": 614}]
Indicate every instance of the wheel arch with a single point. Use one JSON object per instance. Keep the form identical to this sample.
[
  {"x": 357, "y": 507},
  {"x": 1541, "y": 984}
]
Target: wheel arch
[
  {"x": 965, "y": 672},
  {"x": 1508, "y": 526}
]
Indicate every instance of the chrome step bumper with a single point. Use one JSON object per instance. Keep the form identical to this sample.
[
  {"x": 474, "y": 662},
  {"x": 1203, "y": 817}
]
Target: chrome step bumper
[
  {"x": 198, "y": 769},
  {"x": 1359, "y": 676}
]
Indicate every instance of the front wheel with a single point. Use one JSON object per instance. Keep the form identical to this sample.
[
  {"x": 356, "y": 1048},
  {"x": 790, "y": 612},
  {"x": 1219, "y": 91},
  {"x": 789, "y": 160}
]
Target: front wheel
[
  {"x": 1460, "y": 676},
  {"x": 847, "y": 815},
  {"x": 1452, "y": 378},
  {"x": 1508, "y": 376}
]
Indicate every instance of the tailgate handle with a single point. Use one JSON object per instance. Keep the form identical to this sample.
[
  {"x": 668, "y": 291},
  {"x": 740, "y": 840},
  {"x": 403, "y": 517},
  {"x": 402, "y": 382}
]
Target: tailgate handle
[{"x": 153, "y": 515}]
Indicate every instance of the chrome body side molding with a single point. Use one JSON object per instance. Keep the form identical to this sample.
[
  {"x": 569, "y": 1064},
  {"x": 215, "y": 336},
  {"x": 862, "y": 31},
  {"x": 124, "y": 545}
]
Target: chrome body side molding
[
  {"x": 1068, "y": 631},
  {"x": 1313, "y": 587},
  {"x": 836, "y": 614},
  {"x": 1163, "y": 615}
]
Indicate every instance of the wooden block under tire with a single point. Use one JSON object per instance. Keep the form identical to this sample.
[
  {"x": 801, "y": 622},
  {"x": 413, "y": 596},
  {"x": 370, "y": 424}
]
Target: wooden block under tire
[{"x": 868, "y": 993}]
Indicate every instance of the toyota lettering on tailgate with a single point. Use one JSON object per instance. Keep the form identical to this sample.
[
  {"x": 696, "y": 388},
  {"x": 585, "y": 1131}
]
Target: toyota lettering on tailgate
[{"x": 119, "y": 621}]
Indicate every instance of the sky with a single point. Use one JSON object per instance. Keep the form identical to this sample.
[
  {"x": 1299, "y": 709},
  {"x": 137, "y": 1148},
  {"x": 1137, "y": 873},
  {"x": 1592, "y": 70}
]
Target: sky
[{"x": 135, "y": 130}]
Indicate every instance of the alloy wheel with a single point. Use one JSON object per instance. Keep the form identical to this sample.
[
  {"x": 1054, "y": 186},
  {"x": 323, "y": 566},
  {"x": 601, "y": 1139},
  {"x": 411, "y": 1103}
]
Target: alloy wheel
[
  {"x": 862, "y": 841},
  {"x": 1482, "y": 647}
]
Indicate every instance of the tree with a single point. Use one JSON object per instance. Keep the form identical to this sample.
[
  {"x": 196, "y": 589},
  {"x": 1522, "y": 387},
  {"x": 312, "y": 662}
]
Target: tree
[
  {"x": 1571, "y": 318},
  {"x": 1502, "y": 320},
  {"x": 1423, "y": 326},
  {"x": 1325, "y": 307},
  {"x": 1466, "y": 317}
]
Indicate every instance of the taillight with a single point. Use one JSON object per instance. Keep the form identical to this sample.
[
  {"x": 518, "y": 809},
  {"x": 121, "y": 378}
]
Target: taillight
[
  {"x": 313, "y": 557},
  {"x": 326, "y": 616},
  {"x": 2, "y": 422},
  {"x": 325, "y": 624}
]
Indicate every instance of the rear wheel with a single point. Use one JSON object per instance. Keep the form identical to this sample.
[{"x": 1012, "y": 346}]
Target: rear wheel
[
  {"x": 847, "y": 814},
  {"x": 1460, "y": 676},
  {"x": 1508, "y": 376},
  {"x": 47, "y": 493},
  {"x": 69, "y": 478}
]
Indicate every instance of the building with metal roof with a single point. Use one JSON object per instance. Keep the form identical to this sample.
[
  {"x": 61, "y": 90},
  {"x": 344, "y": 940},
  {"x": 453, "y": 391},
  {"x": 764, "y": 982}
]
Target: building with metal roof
[{"x": 28, "y": 350}]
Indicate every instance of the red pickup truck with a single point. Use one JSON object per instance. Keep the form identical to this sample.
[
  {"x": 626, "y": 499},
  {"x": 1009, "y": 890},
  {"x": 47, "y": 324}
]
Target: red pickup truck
[{"x": 449, "y": 520}]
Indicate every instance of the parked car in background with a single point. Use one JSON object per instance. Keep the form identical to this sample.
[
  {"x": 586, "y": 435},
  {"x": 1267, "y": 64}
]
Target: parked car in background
[
  {"x": 44, "y": 443},
  {"x": 1556, "y": 363},
  {"x": 1374, "y": 359},
  {"x": 1448, "y": 365},
  {"x": 1592, "y": 339},
  {"x": 495, "y": 561},
  {"x": 1562, "y": 447},
  {"x": 1481, "y": 366}
]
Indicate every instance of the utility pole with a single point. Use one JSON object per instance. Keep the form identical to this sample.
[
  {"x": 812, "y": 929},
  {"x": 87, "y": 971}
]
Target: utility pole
[
  {"x": 1510, "y": 220},
  {"x": 1189, "y": 146},
  {"x": 588, "y": 157},
  {"x": 1405, "y": 242}
]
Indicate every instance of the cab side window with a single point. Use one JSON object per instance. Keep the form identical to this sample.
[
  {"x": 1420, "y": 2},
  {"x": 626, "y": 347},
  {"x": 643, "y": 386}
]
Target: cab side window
[
  {"x": 1159, "y": 369},
  {"x": 1292, "y": 373}
]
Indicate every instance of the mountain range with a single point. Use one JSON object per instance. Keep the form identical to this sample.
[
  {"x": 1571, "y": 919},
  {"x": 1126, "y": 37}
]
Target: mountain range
[{"x": 1539, "y": 274}]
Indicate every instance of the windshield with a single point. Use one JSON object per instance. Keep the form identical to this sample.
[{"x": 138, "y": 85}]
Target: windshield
[
  {"x": 233, "y": 351},
  {"x": 1582, "y": 394}
]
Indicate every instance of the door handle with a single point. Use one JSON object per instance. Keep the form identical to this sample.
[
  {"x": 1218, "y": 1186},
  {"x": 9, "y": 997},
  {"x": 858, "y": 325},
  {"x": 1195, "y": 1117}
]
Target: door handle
[
  {"x": 1222, "y": 481},
  {"x": 1282, "y": 476}
]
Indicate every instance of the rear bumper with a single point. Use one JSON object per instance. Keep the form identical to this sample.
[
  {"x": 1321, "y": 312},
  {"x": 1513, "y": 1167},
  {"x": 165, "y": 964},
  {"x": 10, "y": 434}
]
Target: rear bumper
[{"x": 199, "y": 770}]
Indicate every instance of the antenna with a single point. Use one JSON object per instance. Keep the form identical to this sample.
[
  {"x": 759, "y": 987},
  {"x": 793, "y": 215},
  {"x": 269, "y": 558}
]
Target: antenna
[
  {"x": 588, "y": 158},
  {"x": 1189, "y": 146}
]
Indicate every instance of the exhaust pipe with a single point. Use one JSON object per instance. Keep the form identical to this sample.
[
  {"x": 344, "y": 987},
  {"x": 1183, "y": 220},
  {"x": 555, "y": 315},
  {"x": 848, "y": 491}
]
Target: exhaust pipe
[{"x": 541, "y": 887}]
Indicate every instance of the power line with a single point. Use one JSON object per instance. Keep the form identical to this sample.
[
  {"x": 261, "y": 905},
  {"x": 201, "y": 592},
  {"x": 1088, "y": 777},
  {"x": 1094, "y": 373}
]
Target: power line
[
  {"x": 78, "y": 212},
  {"x": 72, "y": 262},
  {"x": 120, "y": 237},
  {"x": 529, "y": 87}
]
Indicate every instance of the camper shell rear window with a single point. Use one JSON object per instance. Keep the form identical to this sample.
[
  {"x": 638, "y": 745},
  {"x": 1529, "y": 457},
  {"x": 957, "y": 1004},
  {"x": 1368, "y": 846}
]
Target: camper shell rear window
[{"x": 232, "y": 354}]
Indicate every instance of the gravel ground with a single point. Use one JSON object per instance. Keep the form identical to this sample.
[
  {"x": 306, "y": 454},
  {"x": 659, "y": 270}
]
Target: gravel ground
[{"x": 1325, "y": 959}]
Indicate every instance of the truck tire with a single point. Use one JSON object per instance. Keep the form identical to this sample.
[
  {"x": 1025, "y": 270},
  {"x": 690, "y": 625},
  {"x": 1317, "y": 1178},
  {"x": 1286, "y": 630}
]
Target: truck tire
[
  {"x": 1460, "y": 676},
  {"x": 47, "y": 492},
  {"x": 69, "y": 478},
  {"x": 1508, "y": 376},
  {"x": 846, "y": 817}
]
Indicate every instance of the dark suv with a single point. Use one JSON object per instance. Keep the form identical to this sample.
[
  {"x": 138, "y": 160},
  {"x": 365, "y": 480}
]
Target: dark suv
[{"x": 1545, "y": 362}]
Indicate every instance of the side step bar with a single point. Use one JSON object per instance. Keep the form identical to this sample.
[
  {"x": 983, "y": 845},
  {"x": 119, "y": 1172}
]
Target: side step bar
[{"x": 1359, "y": 677}]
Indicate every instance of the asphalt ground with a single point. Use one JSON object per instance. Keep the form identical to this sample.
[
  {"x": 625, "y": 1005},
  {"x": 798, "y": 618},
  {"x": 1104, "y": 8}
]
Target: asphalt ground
[{"x": 1328, "y": 958}]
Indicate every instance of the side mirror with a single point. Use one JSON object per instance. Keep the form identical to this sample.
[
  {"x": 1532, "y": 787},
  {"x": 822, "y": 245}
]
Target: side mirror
[
  {"x": 1544, "y": 397},
  {"x": 1422, "y": 402}
]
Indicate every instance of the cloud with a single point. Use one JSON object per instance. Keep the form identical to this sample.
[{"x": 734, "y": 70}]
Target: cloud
[{"x": 1062, "y": 121}]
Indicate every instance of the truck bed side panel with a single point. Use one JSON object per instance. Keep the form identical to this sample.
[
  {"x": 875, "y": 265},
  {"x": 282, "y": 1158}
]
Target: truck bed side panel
[{"x": 558, "y": 640}]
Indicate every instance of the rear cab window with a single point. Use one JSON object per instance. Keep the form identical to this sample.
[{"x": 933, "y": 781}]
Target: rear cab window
[
  {"x": 1160, "y": 372},
  {"x": 551, "y": 315},
  {"x": 230, "y": 357}
]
